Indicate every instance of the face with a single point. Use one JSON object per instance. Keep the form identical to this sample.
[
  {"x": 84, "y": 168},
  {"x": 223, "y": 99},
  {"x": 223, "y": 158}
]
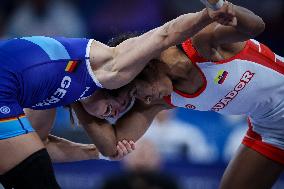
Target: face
[
  {"x": 105, "y": 103},
  {"x": 153, "y": 84}
]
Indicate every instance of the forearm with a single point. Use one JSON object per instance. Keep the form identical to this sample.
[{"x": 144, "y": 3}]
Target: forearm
[
  {"x": 130, "y": 127},
  {"x": 62, "y": 150},
  {"x": 248, "y": 22},
  {"x": 103, "y": 135},
  {"x": 182, "y": 28},
  {"x": 128, "y": 59},
  {"x": 151, "y": 44},
  {"x": 136, "y": 123}
]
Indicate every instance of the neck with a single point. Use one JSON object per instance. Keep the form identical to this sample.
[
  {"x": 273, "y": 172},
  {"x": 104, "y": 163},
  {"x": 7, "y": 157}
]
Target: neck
[{"x": 178, "y": 63}]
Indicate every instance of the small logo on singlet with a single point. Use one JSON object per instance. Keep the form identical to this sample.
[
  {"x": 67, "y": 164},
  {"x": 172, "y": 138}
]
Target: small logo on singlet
[
  {"x": 5, "y": 110},
  {"x": 82, "y": 96},
  {"x": 221, "y": 77},
  {"x": 190, "y": 106}
]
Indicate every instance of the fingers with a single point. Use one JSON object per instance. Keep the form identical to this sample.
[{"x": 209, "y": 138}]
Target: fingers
[
  {"x": 225, "y": 16},
  {"x": 124, "y": 146},
  {"x": 234, "y": 22},
  {"x": 120, "y": 151},
  {"x": 232, "y": 12},
  {"x": 231, "y": 9},
  {"x": 123, "y": 149},
  {"x": 132, "y": 145}
]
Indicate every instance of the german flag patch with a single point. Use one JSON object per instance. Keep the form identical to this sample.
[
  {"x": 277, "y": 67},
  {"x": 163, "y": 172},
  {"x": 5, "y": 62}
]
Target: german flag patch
[{"x": 71, "y": 66}]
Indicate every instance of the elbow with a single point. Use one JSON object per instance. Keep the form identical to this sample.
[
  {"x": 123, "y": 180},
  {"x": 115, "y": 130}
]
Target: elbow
[
  {"x": 108, "y": 152},
  {"x": 257, "y": 28},
  {"x": 260, "y": 27}
]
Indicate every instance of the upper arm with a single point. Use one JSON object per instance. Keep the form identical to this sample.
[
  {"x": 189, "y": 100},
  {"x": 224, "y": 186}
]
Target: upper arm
[
  {"x": 217, "y": 42},
  {"x": 102, "y": 60},
  {"x": 117, "y": 66},
  {"x": 248, "y": 25},
  {"x": 100, "y": 131},
  {"x": 216, "y": 34},
  {"x": 219, "y": 37},
  {"x": 222, "y": 35}
]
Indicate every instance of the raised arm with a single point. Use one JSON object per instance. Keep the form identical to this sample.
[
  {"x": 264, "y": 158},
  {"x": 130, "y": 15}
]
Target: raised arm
[
  {"x": 114, "y": 67},
  {"x": 246, "y": 25},
  {"x": 130, "y": 127}
]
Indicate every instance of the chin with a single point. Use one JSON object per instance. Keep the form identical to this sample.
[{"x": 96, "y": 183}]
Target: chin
[{"x": 92, "y": 114}]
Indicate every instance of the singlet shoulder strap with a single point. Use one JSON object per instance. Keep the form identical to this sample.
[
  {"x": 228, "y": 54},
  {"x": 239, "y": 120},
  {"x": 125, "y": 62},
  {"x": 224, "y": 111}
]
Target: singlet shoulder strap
[
  {"x": 179, "y": 46},
  {"x": 191, "y": 52}
]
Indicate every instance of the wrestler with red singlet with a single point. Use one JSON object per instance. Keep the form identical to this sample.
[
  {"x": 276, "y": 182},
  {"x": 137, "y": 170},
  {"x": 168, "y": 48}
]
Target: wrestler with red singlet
[{"x": 219, "y": 69}]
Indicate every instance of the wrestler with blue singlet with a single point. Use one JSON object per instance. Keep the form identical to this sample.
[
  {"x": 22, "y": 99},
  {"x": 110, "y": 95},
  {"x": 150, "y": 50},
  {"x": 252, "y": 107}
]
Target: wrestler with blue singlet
[{"x": 43, "y": 72}]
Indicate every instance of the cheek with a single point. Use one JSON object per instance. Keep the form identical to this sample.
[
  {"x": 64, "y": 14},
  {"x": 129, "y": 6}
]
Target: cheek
[{"x": 95, "y": 108}]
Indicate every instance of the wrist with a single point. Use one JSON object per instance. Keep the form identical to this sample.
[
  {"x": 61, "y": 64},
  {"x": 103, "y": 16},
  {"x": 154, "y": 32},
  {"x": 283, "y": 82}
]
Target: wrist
[{"x": 206, "y": 17}]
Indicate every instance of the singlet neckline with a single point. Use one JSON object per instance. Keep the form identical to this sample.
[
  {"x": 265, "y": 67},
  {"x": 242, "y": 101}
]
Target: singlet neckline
[
  {"x": 184, "y": 47},
  {"x": 190, "y": 51}
]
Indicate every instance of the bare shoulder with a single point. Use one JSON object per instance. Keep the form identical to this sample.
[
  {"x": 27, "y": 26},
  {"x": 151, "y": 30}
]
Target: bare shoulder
[{"x": 100, "y": 54}]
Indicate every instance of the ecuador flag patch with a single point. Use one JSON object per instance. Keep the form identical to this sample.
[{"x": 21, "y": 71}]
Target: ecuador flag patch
[{"x": 221, "y": 77}]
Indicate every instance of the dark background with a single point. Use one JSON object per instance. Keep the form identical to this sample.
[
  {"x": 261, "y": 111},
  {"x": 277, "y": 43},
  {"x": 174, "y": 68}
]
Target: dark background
[{"x": 195, "y": 160}]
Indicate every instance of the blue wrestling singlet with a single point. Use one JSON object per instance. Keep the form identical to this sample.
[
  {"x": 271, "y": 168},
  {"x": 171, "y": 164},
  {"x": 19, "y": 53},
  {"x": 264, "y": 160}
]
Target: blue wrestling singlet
[{"x": 40, "y": 73}]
